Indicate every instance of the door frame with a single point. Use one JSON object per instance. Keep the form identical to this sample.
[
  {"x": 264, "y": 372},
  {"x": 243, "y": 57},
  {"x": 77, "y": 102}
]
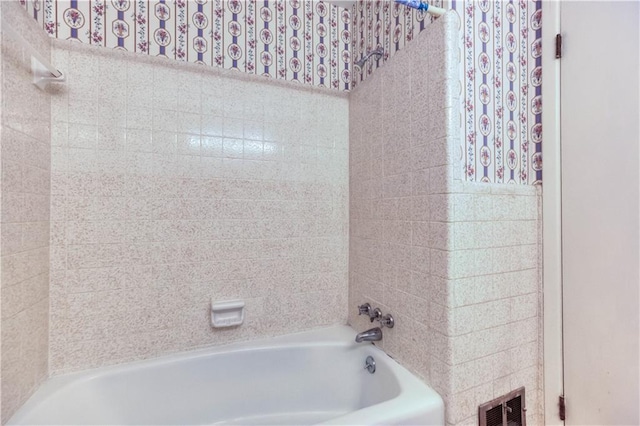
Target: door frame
[{"x": 551, "y": 216}]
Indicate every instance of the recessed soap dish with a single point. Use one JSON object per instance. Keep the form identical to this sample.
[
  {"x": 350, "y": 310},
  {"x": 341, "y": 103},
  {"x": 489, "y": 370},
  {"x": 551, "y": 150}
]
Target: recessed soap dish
[{"x": 227, "y": 313}]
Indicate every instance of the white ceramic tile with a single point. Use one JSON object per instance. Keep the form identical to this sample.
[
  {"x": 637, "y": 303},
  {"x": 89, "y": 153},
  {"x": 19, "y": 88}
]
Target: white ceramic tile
[
  {"x": 199, "y": 200},
  {"x": 26, "y": 188}
]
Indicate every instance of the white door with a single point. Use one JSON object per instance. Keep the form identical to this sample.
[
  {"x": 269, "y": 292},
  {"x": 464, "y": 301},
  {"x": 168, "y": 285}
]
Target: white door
[{"x": 600, "y": 216}]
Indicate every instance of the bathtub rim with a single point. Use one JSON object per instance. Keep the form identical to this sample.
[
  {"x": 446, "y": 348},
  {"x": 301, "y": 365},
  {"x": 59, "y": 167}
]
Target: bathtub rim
[
  {"x": 411, "y": 387},
  {"x": 334, "y": 334}
]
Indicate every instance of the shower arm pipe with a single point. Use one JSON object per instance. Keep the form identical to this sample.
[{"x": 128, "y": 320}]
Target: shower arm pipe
[
  {"x": 55, "y": 73},
  {"x": 423, "y": 5}
]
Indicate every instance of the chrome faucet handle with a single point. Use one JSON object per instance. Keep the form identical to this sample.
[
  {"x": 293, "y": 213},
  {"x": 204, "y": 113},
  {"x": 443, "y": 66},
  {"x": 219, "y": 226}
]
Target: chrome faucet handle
[
  {"x": 376, "y": 314},
  {"x": 364, "y": 309},
  {"x": 386, "y": 321}
]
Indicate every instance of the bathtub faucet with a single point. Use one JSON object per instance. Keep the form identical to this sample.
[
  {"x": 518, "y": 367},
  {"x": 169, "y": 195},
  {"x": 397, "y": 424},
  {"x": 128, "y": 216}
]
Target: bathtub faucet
[{"x": 371, "y": 335}]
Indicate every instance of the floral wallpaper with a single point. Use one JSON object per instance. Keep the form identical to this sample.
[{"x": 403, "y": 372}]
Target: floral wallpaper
[
  {"x": 502, "y": 90},
  {"x": 307, "y": 41},
  {"x": 311, "y": 42},
  {"x": 501, "y": 76},
  {"x": 386, "y": 24}
]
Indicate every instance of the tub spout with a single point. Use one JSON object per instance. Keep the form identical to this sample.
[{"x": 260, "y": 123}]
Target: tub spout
[{"x": 371, "y": 335}]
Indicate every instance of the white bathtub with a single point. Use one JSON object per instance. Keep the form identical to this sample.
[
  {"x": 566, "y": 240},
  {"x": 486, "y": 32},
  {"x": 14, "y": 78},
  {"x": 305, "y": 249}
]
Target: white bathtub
[{"x": 316, "y": 377}]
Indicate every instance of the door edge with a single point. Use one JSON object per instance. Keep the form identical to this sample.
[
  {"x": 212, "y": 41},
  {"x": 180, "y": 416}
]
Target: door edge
[{"x": 552, "y": 217}]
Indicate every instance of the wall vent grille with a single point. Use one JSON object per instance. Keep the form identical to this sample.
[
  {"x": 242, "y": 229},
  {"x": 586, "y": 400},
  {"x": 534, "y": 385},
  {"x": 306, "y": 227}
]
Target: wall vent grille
[{"x": 507, "y": 410}]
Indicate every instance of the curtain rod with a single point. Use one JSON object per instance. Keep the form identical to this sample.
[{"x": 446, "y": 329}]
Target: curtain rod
[{"x": 423, "y": 5}]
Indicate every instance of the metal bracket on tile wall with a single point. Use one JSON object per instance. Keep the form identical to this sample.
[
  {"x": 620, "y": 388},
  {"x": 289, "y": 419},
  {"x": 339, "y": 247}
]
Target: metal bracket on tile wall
[
  {"x": 42, "y": 76},
  {"x": 43, "y": 71}
]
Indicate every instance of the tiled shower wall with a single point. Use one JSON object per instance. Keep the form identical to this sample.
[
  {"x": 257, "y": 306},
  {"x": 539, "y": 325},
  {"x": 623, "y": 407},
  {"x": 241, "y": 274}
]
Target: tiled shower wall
[
  {"x": 491, "y": 320},
  {"x": 24, "y": 250},
  {"x": 399, "y": 167},
  {"x": 455, "y": 262},
  {"x": 173, "y": 184}
]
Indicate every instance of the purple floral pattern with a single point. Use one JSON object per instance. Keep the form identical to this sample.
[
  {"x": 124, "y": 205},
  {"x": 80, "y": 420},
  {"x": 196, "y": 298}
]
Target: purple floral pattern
[
  {"x": 502, "y": 80},
  {"x": 383, "y": 24},
  {"x": 501, "y": 77},
  {"x": 275, "y": 38}
]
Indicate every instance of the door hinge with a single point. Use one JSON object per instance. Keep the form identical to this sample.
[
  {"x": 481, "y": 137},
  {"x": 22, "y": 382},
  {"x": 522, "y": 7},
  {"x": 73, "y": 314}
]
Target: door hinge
[
  {"x": 558, "y": 46},
  {"x": 561, "y": 408}
]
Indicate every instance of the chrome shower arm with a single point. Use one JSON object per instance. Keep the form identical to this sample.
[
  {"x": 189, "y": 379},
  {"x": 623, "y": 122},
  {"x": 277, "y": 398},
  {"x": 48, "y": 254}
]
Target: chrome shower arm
[{"x": 378, "y": 52}]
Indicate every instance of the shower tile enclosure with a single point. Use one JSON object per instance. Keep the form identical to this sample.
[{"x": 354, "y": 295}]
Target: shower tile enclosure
[
  {"x": 130, "y": 202},
  {"x": 457, "y": 262}
]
